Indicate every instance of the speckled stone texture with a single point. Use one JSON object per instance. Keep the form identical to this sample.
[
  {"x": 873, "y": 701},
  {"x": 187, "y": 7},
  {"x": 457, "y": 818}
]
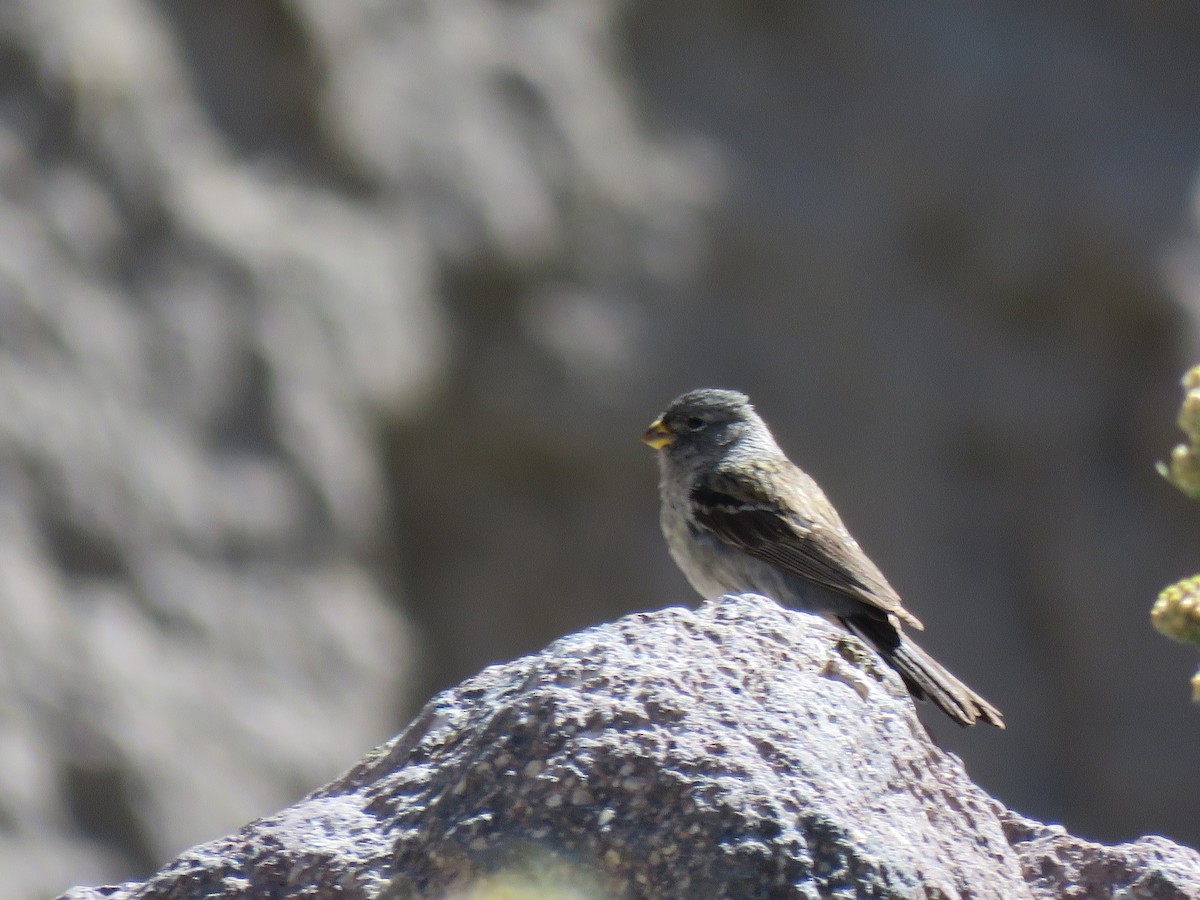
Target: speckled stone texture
[
  {"x": 1058, "y": 864},
  {"x": 740, "y": 750}
]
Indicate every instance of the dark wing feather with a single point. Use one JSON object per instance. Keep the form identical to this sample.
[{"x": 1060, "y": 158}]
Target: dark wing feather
[{"x": 810, "y": 542}]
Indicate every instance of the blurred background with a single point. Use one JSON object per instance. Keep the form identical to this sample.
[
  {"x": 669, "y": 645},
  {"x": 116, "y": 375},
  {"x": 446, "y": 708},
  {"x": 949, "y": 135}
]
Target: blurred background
[{"x": 328, "y": 330}]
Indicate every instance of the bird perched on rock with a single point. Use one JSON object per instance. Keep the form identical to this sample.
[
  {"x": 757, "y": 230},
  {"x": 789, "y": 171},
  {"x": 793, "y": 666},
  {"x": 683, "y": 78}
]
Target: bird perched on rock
[{"x": 739, "y": 516}]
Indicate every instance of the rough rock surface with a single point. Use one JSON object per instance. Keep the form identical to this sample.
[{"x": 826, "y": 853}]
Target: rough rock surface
[
  {"x": 737, "y": 751},
  {"x": 1057, "y": 864}
]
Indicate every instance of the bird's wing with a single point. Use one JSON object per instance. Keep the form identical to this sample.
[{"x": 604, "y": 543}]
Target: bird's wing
[{"x": 809, "y": 541}]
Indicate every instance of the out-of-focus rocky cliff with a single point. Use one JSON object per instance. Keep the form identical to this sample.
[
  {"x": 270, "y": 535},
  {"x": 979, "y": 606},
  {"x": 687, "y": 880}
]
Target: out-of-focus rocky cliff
[{"x": 327, "y": 331}]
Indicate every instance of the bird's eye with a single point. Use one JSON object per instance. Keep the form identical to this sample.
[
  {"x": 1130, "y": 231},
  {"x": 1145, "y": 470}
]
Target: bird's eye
[{"x": 695, "y": 423}]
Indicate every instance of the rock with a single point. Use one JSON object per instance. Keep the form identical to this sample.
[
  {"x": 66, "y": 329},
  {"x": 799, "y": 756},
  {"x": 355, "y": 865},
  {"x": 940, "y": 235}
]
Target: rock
[
  {"x": 1058, "y": 864},
  {"x": 740, "y": 750}
]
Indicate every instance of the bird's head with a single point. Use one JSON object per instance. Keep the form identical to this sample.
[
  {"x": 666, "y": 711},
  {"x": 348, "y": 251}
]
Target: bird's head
[{"x": 703, "y": 424}]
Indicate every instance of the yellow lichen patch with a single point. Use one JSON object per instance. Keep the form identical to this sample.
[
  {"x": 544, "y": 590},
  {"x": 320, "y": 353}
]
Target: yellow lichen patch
[{"x": 536, "y": 878}]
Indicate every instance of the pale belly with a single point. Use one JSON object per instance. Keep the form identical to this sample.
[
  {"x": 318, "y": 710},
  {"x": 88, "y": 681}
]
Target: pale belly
[{"x": 714, "y": 568}]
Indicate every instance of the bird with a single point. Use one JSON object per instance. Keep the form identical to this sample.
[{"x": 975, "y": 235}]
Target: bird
[{"x": 739, "y": 516}]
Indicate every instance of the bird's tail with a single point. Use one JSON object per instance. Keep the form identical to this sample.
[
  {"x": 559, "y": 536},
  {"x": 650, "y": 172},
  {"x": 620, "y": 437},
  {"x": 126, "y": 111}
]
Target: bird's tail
[{"x": 925, "y": 677}]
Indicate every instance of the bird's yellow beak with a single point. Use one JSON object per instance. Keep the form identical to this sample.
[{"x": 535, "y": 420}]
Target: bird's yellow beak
[{"x": 658, "y": 435}]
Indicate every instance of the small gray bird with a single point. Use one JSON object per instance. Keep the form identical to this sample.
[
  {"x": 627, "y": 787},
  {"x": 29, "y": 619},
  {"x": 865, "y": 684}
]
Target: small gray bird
[{"x": 738, "y": 515}]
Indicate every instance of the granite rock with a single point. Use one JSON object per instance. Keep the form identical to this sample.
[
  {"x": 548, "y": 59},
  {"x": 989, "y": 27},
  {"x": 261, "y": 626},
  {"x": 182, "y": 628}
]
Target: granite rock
[{"x": 736, "y": 751}]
